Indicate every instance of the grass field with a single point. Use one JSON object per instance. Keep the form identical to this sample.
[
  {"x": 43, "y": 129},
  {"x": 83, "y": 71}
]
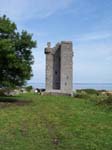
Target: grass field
[{"x": 54, "y": 123}]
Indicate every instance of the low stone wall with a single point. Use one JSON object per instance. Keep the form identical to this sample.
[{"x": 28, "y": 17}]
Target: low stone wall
[{"x": 57, "y": 94}]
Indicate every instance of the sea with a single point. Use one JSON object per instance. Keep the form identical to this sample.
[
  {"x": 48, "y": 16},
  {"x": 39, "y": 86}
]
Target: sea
[{"x": 97, "y": 86}]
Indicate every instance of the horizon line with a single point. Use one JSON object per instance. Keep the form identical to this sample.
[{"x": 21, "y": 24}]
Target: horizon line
[{"x": 74, "y": 83}]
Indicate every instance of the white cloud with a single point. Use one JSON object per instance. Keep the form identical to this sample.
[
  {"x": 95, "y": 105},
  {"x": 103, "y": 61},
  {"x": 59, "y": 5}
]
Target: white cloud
[
  {"x": 25, "y": 9},
  {"x": 93, "y": 36}
]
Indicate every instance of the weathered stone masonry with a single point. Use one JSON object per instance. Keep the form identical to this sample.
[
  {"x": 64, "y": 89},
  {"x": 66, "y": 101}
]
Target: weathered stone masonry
[{"x": 59, "y": 68}]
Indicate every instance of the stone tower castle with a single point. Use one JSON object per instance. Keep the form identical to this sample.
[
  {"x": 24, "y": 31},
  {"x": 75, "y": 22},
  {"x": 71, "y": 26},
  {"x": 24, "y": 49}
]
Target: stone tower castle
[{"x": 59, "y": 68}]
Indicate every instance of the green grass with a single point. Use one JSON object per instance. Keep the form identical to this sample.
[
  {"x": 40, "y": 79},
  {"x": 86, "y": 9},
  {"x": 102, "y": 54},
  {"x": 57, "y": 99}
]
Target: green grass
[{"x": 55, "y": 123}]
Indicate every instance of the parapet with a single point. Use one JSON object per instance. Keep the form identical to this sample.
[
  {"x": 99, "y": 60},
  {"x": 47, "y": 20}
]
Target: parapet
[
  {"x": 66, "y": 42},
  {"x": 49, "y": 50}
]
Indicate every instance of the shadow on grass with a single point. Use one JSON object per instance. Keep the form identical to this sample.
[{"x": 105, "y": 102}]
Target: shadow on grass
[{"x": 7, "y": 101}]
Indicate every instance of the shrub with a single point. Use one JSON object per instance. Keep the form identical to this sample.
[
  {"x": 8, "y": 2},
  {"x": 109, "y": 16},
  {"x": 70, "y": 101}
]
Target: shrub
[
  {"x": 107, "y": 100},
  {"x": 80, "y": 94},
  {"x": 29, "y": 88},
  {"x": 5, "y": 91},
  {"x": 92, "y": 91},
  {"x": 2, "y": 91}
]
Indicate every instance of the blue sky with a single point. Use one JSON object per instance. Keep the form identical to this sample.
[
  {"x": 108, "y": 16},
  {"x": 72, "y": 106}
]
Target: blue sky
[{"x": 88, "y": 23}]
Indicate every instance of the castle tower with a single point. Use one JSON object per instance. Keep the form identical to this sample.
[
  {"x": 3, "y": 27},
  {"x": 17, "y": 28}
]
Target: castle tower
[{"x": 59, "y": 68}]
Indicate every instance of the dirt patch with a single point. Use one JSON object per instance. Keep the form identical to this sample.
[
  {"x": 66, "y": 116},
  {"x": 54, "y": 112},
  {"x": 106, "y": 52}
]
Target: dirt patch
[{"x": 7, "y": 102}]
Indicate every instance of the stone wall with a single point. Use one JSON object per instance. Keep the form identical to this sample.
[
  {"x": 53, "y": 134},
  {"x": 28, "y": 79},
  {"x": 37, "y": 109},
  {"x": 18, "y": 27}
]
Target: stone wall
[
  {"x": 59, "y": 68},
  {"x": 49, "y": 69},
  {"x": 66, "y": 67},
  {"x": 56, "y": 69}
]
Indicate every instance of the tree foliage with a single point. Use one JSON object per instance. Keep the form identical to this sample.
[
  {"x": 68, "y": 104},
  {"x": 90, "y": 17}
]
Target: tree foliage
[{"x": 15, "y": 54}]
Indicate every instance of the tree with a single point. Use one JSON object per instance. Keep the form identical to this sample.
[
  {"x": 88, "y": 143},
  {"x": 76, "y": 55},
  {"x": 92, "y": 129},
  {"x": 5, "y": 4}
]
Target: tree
[{"x": 15, "y": 54}]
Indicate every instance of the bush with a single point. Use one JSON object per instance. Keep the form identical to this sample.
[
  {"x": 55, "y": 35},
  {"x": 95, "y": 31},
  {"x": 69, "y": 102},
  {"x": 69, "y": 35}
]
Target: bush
[
  {"x": 28, "y": 88},
  {"x": 107, "y": 100},
  {"x": 5, "y": 91},
  {"x": 80, "y": 94},
  {"x": 92, "y": 91},
  {"x": 2, "y": 91},
  {"x": 92, "y": 94}
]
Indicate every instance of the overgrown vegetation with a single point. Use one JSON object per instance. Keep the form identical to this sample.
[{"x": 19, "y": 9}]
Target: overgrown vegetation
[
  {"x": 29, "y": 88},
  {"x": 55, "y": 123},
  {"x": 101, "y": 97}
]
